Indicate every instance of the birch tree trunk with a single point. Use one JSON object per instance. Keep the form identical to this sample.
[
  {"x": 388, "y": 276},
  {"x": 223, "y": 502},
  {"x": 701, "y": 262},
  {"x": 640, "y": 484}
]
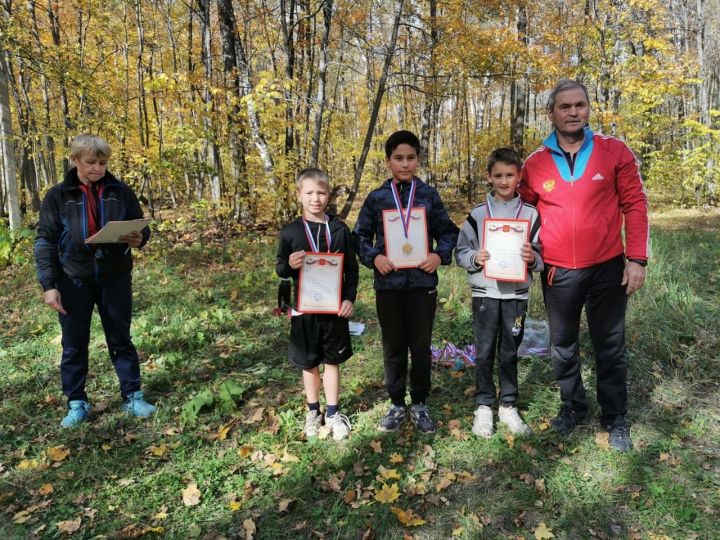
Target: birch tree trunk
[
  {"x": 8, "y": 149},
  {"x": 322, "y": 79}
]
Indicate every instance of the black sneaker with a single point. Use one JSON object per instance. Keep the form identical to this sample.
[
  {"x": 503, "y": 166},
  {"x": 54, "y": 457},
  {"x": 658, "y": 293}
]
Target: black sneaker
[
  {"x": 393, "y": 419},
  {"x": 567, "y": 420},
  {"x": 619, "y": 436},
  {"x": 421, "y": 418}
]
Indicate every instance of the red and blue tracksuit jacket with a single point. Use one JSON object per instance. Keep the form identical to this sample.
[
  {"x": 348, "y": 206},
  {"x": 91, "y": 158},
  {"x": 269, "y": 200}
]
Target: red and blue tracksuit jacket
[{"x": 583, "y": 209}]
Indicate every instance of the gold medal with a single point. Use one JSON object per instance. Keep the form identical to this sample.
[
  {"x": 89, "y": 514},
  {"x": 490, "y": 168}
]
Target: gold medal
[{"x": 407, "y": 248}]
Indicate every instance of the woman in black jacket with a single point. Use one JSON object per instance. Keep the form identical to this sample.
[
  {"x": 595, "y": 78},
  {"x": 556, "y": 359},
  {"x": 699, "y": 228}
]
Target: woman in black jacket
[{"x": 76, "y": 276}]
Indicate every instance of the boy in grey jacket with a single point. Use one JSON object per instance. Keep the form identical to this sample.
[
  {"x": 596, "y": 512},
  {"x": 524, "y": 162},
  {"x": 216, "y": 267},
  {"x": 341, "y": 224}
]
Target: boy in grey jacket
[{"x": 499, "y": 307}]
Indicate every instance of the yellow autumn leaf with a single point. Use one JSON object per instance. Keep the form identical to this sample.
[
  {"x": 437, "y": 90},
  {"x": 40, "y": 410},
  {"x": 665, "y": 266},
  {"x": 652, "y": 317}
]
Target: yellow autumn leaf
[
  {"x": 223, "y": 432},
  {"x": 245, "y": 450},
  {"x": 28, "y": 464},
  {"x": 396, "y": 458},
  {"x": 46, "y": 489},
  {"x": 69, "y": 526},
  {"x": 234, "y": 506},
  {"x": 510, "y": 439},
  {"x": 387, "y": 474},
  {"x": 289, "y": 458},
  {"x": 458, "y": 531},
  {"x": 57, "y": 453},
  {"x": 542, "y": 532},
  {"x": 162, "y": 514},
  {"x": 159, "y": 450},
  {"x": 445, "y": 481},
  {"x": 407, "y": 517},
  {"x": 106, "y": 447},
  {"x": 387, "y": 494},
  {"x": 22, "y": 516},
  {"x": 191, "y": 495}
]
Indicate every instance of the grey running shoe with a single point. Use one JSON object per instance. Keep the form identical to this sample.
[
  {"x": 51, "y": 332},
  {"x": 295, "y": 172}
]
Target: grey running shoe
[
  {"x": 619, "y": 436},
  {"x": 483, "y": 423},
  {"x": 393, "y": 419},
  {"x": 421, "y": 418},
  {"x": 313, "y": 421},
  {"x": 510, "y": 416},
  {"x": 339, "y": 426}
]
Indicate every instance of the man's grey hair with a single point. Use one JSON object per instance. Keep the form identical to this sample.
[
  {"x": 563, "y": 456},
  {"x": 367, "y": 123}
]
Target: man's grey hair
[{"x": 562, "y": 86}]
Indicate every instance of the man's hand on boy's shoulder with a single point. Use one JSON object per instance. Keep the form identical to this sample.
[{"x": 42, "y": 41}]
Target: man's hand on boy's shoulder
[
  {"x": 347, "y": 309},
  {"x": 431, "y": 263},
  {"x": 384, "y": 265}
]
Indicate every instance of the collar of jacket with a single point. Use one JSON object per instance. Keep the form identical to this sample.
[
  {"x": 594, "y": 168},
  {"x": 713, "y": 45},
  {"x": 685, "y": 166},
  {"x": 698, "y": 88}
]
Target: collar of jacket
[
  {"x": 71, "y": 180},
  {"x": 513, "y": 203},
  {"x": 551, "y": 142},
  {"x": 418, "y": 181}
]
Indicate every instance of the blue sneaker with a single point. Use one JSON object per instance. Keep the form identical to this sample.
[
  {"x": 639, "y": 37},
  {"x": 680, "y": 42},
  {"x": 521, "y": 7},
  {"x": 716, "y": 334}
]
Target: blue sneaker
[
  {"x": 78, "y": 411},
  {"x": 137, "y": 406}
]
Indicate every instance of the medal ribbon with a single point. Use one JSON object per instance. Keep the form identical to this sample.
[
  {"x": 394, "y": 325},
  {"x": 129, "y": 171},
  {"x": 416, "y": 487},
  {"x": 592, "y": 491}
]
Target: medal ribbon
[
  {"x": 405, "y": 219},
  {"x": 315, "y": 246}
]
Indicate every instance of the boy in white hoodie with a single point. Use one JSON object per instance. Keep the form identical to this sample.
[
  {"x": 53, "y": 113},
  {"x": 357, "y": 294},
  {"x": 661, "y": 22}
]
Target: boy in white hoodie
[{"x": 499, "y": 307}]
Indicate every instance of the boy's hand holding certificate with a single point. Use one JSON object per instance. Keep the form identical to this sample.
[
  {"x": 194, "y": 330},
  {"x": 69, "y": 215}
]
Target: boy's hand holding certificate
[{"x": 504, "y": 239}]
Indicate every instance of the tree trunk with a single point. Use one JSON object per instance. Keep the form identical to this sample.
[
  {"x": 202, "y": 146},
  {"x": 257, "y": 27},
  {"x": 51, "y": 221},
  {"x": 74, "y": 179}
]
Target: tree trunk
[
  {"x": 519, "y": 90},
  {"x": 8, "y": 149},
  {"x": 322, "y": 78},
  {"x": 374, "y": 112}
]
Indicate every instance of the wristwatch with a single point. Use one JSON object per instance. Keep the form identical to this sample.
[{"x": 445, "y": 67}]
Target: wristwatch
[{"x": 641, "y": 262}]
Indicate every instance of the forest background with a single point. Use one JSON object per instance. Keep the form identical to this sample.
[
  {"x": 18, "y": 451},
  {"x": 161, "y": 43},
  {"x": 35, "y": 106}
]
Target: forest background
[{"x": 210, "y": 108}]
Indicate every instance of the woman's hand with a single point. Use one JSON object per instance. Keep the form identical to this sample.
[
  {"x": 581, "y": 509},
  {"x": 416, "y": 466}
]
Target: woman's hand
[{"x": 52, "y": 298}]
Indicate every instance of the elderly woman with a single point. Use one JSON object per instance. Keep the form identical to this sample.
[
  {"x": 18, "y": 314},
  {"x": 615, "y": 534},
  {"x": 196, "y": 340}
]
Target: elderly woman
[{"x": 76, "y": 276}]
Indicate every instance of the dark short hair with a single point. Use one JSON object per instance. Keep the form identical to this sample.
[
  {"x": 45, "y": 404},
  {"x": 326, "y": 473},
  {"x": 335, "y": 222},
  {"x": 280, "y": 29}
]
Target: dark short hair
[
  {"x": 401, "y": 137},
  {"x": 561, "y": 86},
  {"x": 503, "y": 155}
]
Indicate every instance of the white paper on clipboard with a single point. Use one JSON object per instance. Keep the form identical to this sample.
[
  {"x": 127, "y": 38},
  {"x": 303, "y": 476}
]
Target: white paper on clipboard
[{"x": 112, "y": 230}]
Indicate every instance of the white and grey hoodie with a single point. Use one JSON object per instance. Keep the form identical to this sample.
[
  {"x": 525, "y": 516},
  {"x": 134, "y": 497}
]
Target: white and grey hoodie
[{"x": 468, "y": 245}]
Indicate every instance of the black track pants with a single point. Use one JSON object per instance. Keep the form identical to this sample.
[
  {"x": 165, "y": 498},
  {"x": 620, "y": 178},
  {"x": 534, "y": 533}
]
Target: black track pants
[{"x": 598, "y": 289}]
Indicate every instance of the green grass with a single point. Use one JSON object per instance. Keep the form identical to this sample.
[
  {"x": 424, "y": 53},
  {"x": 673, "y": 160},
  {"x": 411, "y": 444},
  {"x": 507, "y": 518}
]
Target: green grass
[{"x": 203, "y": 323}]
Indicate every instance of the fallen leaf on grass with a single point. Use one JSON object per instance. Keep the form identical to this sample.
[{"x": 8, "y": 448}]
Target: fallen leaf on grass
[
  {"x": 672, "y": 461},
  {"x": 445, "y": 482},
  {"x": 159, "y": 450},
  {"x": 289, "y": 458},
  {"x": 46, "y": 489},
  {"x": 57, "y": 453},
  {"x": 106, "y": 447},
  {"x": 284, "y": 504},
  {"x": 124, "y": 482},
  {"x": 349, "y": 496},
  {"x": 540, "y": 485},
  {"x": 249, "y": 527},
  {"x": 70, "y": 526},
  {"x": 386, "y": 474},
  {"x": 376, "y": 446},
  {"x": 601, "y": 439},
  {"x": 527, "y": 478},
  {"x": 162, "y": 514},
  {"x": 542, "y": 532},
  {"x": 22, "y": 516},
  {"x": 387, "y": 494},
  {"x": 458, "y": 531},
  {"x": 543, "y": 426},
  {"x": 29, "y": 464},
  {"x": 234, "y": 506},
  {"x": 396, "y": 458},
  {"x": 256, "y": 417},
  {"x": 222, "y": 432},
  {"x": 245, "y": 451},
  {"x": 510, "y": 439},
  {"x": 191, "y": 495},
  {"x": 407, "y": 517},
  {"x": 529, "y": 450}
]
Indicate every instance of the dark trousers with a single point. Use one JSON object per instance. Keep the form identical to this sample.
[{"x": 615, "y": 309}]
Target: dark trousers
[
  {"x": 114, "y": 301},
  {"x": 598, "y": 289},
  {"x": 406, "y": 319},
  {"x": 498, "y": 325}
]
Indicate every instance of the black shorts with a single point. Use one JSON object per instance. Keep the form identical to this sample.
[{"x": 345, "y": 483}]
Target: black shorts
[{"x": 318, "y": 339}]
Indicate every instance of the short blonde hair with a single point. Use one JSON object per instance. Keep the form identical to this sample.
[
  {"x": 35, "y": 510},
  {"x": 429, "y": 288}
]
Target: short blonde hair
[
  {"x": 312, "y": 173},
  {"x": 89, "y": 144}
]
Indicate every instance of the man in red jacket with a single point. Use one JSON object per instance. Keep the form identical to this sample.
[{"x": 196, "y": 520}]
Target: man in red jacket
[{"x": 586, "y": 187}]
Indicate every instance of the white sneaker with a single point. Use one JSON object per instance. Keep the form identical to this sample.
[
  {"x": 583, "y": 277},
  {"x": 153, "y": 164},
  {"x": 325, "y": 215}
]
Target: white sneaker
[
  {"x": 339, "y": 426},
  {"x": 511, "y": 418},
  {"x": 313, "y": 421},
  {"x": 483, "y": 423}
]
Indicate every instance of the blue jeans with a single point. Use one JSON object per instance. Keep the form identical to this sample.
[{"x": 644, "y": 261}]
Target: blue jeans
[{"x": 114, "y": 301}]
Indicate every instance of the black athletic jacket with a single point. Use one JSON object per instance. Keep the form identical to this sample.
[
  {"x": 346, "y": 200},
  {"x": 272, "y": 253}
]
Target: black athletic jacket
[
  {"x": 60, "y": 243},
  {"x": 293, "y": 238}
]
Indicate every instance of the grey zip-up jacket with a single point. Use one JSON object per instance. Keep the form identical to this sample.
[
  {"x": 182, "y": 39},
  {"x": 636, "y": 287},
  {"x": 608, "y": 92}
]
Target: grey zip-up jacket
[{"x": 469, "y": 243}]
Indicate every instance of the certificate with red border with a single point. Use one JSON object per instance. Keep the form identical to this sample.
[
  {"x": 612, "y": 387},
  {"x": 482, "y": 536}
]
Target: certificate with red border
[
  {"x": 410, "y": 251},
  {"x": 504, "y": 238},
  {"x": 320, "y": 283}
]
